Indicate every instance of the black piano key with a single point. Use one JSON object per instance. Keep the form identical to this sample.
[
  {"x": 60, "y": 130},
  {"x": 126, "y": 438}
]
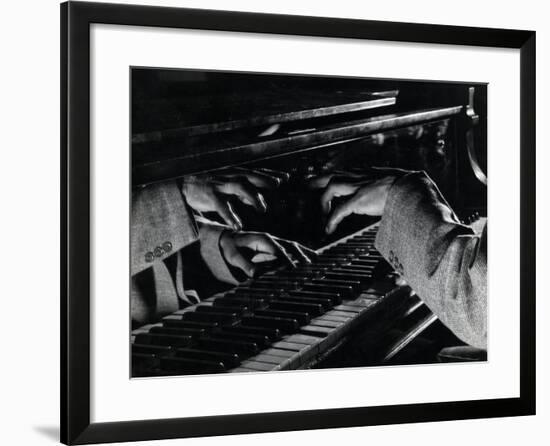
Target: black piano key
[
  {"x": 315, "y": 266},
  {"x": 186, "y": 365},
  {"x": 335, "y": 292},
  {"x": 340, "y": 247},
  {"x": 252, "y": 302},
  {"x": 262, "y": 340},
  {"x": 230, "y": 360},
  {"x": 209, "y": 317},
  {"x": 273, "y": 280},
  {"x": 163, "y": 339},
  {"x": 304, "y": 274},
  {"x": 230, "y": 305},
  {"x": 323, "y": 261},
  {"x": 344, "y": 250},
  {"x": 354, "y": 270},
  {"x": 241, "y": 348},
  {"x": 285, "y": 325},
  {"x": 358, "y": 244},
  {"x": 286, "y": 277},
  {"x": 370, "y": 255},
  {"x": 365, "y": 262},
  {"x": 265, "y": 293},
  {"x": 355, "y": 285},
  {"x": 349, "y": 276},
  {"x": 278, "y": 285},
  {"x": 320, "y": 267},
  {"x": 177, "y": 331},
  {"x": 358, "y": 266},
  {"x": 272, "y": 333},
  {"x": 144, "y": 363},
  {"x": 151, "y": 349},
  {"x": 218, "y": 309},
  {"x": 297, "y": 305},
  {"x": 302, "y": 318},
  {"x": 356, "y": 250},
  {"x": 327, "y": 300},
  {"x": 339, "y": 260},
  {"x": 189, "y": 324}
]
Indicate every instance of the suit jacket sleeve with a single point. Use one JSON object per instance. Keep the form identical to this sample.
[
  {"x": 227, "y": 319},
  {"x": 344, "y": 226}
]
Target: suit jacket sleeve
[
  {"x": 161, "y": 225},
  {"x": 443, "y": 261},
  {"x": 210, "y": 233}
]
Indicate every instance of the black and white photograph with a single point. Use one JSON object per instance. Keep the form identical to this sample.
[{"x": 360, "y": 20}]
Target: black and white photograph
[
  {"x": 266, "y": 223},
  {"x": 291, "y": 222}
]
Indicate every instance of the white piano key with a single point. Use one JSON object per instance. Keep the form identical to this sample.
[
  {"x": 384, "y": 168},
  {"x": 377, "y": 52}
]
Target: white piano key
[
  {"x": 241, "y": 370},
  {"x": 315, "y": 329},
  {"x": 262, "y": 357},
  {"x": 301, "y": 339},
  {"x": 289, "y": 346},
  {"x": 348, "y": 308},
  {"x": 259, "y": 366},
  {"x": 325, "y": 323},
  {"x": 369, "y": 297},
  {"x": 341, "y": 313},
  {"x": 330, "y": 317},
  {"x": 360, "y": 302},
  {"x": 278, "y": 352}
]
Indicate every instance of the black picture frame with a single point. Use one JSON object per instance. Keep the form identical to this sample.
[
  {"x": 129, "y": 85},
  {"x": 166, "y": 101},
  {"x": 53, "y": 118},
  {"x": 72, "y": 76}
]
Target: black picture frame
[{"x": 76, "y": 18}]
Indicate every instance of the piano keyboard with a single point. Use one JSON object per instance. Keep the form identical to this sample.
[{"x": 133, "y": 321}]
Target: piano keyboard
[{"x": 283, "y": 320}]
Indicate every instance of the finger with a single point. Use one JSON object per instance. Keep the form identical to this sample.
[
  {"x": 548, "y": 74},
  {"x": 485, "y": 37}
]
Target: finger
[
  {"x": 399, "y": 281},
  {"x": 351, "y": 172},
  {"x": 259, "y": 178},
  {"x": 336, "y": 190},
  {"x": 242, "y": 188},
  {"x": 282, "y": 254},
  {"x": 261, "y": 242},
  {"x": 274, "y": 173},
  {"x": 235, "y": 258},
  {"x": 307, "y": 251},
  {"x": 340, "y": 212},
  {"x": 297, "y": 250},
  {"x": 319, "y": 181},
  {"x": 388, "y": 171},
  {"x": 223, "y": 208}
]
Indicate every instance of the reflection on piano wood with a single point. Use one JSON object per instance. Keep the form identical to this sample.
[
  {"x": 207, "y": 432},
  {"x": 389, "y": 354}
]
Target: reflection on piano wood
[{"x": 283, "y": 320}]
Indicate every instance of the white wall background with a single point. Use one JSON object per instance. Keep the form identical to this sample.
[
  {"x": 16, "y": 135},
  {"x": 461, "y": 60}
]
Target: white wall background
[{"x": 29, "y": 191}]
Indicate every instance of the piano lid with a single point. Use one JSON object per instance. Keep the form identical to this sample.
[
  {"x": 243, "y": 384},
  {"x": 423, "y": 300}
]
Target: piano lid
[
  {"x": 179, "y": 117},
  {"x": 161, "y": 161}
]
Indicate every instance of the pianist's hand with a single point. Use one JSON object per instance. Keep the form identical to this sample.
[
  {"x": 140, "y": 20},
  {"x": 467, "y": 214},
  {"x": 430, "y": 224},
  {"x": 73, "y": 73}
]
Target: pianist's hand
[
  {"x": 247, "y": 251},
  {"x": 361, "y": 193},
  {"x": 210, "y": 192}
]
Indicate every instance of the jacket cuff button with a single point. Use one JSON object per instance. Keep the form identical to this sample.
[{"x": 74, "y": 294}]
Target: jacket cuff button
[
  {"x": 149, "y": 257},
  {"x": 158, "y": 251},
  {"x": 167, "y": 246}
]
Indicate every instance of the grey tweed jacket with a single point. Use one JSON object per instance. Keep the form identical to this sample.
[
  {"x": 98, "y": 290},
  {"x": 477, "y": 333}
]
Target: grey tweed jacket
[
  {"x": 161, "y": 226},
  {"x": 442, "y": 260}
]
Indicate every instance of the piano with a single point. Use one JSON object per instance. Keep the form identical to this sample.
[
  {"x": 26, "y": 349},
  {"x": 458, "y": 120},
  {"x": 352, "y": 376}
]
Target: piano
[{"x": 317, "y": 314}]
